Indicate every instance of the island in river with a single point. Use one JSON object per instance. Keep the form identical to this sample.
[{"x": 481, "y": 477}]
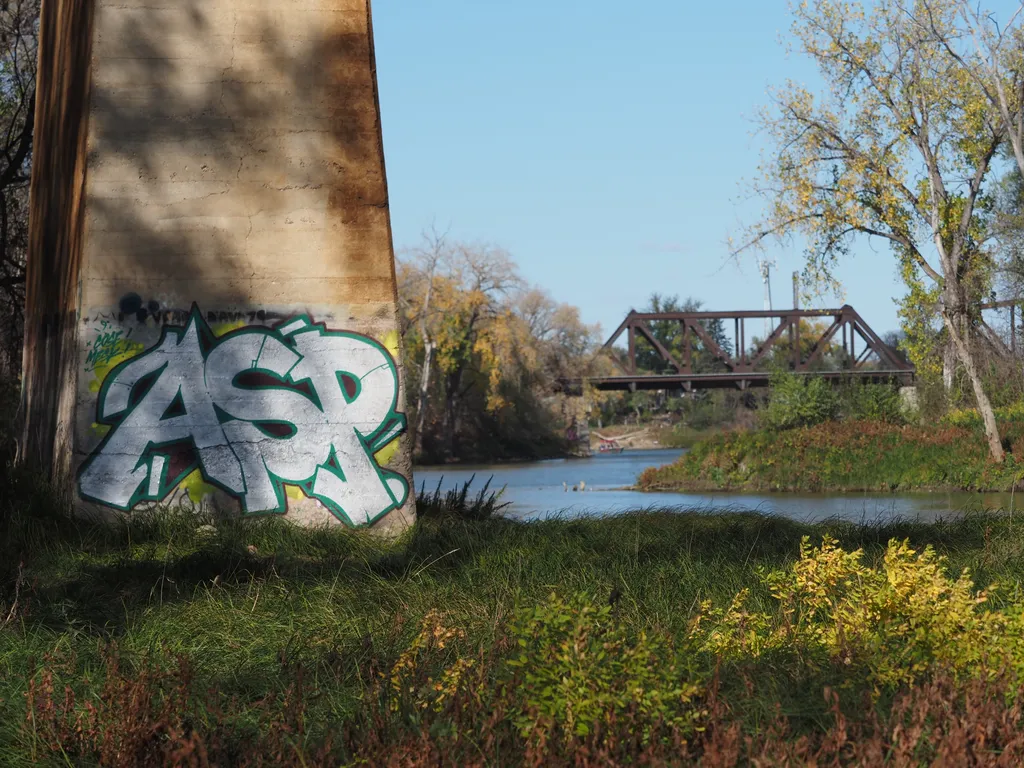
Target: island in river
[{"x": 844, "y": 457}]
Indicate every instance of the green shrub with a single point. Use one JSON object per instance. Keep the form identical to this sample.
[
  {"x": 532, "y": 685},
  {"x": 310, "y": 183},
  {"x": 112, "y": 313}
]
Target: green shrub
[
  {"x": 575, "y": 666},
  {"x": 799, "y": 401},
  {"x": 803, "y": 401},
  {"x": 871, "y": 402}
]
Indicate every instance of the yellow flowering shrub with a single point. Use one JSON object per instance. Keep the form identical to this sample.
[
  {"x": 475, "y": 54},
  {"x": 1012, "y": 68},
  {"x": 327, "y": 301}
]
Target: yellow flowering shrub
[
  {"x": 894, "y": 622},
  {"x": 969, "y": 417}
]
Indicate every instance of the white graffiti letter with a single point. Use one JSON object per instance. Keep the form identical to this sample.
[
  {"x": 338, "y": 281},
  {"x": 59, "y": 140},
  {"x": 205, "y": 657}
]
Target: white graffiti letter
[
  {"x": 264, "y": 457},
  {"x": 358, "y": 487},
  {"x": 116, "y": 473}
]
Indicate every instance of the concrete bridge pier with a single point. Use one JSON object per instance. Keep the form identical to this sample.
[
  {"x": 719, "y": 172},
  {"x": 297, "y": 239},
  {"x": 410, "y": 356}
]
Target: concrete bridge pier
[{"x": 211, "y": 306}]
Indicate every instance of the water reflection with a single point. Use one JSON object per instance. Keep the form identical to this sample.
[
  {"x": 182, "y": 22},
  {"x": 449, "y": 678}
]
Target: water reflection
[{"x": 543, "y": 489}]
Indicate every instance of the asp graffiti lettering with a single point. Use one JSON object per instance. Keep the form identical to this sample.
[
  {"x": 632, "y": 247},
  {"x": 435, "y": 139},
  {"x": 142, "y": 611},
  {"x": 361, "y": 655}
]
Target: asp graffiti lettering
[{"x": 254, "y": 410}]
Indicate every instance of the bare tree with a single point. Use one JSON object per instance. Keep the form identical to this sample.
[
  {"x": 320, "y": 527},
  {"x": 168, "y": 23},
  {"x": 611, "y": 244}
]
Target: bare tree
[
  {"x": 428, "y": 257},
  {"x": 989, "y": 53},
  {"x": 18, "y": 50}
]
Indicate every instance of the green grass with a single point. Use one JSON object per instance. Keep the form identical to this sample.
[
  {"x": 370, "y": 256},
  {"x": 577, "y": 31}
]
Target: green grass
[
  {"x": 681, "y": 436},
  {"x": 846, "y": 456},
  {"x": 261, "y": 613}
]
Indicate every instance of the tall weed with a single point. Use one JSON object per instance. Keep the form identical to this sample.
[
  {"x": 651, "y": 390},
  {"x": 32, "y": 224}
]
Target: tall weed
[
  {"x": 798, "y": 401},
  {"x": 457, "y": 503}
]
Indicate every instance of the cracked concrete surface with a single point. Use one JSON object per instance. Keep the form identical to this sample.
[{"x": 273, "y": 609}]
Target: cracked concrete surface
[{"x": 268, "y": 107}]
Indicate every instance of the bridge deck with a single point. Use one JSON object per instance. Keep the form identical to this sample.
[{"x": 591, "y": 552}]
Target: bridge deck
[{"x": 745, "y": 380}]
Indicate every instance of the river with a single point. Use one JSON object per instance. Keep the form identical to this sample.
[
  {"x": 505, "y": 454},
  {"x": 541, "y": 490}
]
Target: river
[{"x": 535, "y": 491}]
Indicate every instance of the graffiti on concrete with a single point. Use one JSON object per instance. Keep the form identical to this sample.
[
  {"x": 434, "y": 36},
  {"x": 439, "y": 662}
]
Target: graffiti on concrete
[
  {"x": 255, "y": 410},
  {"x": 152, "y": 312},
  {"x": 109, "y": 342}
]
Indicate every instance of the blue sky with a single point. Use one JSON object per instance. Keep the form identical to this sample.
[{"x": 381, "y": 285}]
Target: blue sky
[{"x": 604, "y": 144}]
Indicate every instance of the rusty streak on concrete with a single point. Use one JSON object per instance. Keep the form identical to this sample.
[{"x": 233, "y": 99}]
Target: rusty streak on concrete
[{"x": 55, "y": 234}]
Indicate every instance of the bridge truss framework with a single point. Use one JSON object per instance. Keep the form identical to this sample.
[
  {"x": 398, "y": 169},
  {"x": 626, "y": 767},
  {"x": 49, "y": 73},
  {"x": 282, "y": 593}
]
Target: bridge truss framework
[{"x": 870, "y": 360}]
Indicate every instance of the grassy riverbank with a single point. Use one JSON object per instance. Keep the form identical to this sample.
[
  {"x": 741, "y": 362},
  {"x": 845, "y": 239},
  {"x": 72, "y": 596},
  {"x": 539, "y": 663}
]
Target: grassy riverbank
[
  {"x": 490, "y": 642},
  {"x": 847, "y": 456}
]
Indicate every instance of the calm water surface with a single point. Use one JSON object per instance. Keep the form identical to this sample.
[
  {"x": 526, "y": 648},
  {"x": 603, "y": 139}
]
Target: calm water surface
[{"x": 536, "y": 491}]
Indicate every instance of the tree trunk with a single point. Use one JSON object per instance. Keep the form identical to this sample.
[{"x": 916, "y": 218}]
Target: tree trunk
[
  {"x": 422, "y": 403},
  {"x": 428, "y": 356},
  {"x": 948, "y": 366},
  {"x": 960, "y": 337},
  {"x": 449, "y": 425}
]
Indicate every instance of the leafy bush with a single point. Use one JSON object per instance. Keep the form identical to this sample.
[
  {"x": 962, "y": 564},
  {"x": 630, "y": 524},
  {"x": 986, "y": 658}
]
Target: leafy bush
[
  {"x": 893, "y": 624},
  {"x": 799, "y": 401},
  {"x": 802, "y": 401},
  {"x": 576, "y": 667},
  {"x": 871, "y": 402}
]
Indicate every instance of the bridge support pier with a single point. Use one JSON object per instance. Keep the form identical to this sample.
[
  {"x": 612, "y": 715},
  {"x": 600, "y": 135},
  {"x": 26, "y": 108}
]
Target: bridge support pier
[{"x": 211, "y": 314}]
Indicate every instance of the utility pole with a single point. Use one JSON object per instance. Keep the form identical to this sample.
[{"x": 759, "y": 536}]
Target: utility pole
[
  {"x": 765, "y": 266},
  {"x": 796, "y": 290},
  {"x": 1013, "y": 329}
]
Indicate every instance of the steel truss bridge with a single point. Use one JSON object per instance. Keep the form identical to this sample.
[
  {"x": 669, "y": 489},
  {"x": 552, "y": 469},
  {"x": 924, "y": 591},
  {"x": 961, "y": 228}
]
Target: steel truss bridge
[{"x": 864, "y": 357}]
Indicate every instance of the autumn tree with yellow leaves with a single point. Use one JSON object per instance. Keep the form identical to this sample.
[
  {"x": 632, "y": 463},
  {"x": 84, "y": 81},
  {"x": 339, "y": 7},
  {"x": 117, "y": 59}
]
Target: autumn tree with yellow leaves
[
  {"x": 897, "y": 148},
  {"x": 484, "y": 352}
]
